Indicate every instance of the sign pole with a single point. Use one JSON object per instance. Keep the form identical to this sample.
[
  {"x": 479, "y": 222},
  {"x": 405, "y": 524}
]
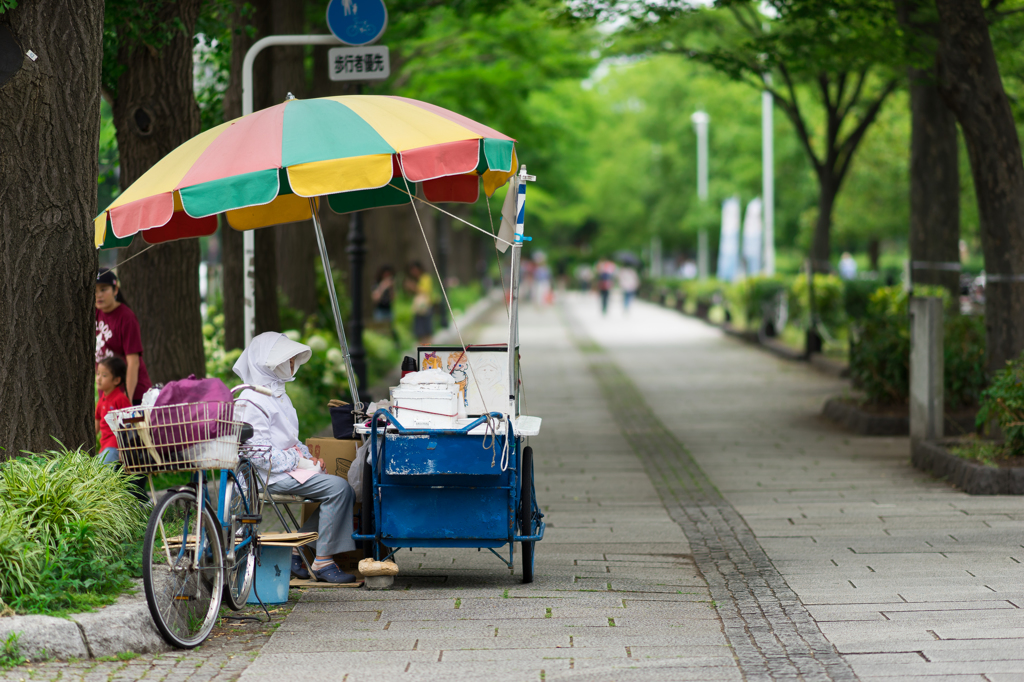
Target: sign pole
[{"x": 248, "y": 239}]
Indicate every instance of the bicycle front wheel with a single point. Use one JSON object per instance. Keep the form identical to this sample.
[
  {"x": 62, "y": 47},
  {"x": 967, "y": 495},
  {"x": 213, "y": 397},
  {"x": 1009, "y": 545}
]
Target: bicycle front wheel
[
  {"x": 242, "y": 499},
  {"x": 182, "y": 569}
]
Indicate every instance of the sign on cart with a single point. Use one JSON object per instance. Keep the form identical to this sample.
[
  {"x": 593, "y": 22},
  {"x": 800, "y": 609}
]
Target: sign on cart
[{"x": 370, "y": 63}]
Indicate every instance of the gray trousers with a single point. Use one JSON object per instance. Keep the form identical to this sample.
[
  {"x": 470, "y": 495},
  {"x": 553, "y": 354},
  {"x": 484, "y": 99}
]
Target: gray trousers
[{"x": 333, "y": 518}]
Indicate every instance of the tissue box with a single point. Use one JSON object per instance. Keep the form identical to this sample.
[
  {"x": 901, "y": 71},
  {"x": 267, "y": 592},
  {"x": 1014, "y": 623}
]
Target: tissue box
[{"x": 424, "y": 408}]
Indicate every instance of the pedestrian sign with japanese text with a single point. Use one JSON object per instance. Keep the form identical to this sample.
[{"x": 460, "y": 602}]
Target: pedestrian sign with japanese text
[{"x": 368, "y": 63}]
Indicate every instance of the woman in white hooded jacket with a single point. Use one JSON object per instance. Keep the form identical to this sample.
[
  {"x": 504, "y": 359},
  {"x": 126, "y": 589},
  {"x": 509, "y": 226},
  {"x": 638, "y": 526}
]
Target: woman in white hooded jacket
[{"x": 271, "y": 360}]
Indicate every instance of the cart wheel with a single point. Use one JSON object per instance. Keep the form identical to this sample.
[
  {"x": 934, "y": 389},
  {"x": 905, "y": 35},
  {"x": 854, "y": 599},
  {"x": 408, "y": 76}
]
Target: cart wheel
[
  {"x": 366, "y": 525},
  {"x": 526, "y": 512}
]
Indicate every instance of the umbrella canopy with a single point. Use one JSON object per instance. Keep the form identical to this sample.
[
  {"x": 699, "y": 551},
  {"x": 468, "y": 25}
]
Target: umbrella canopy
[{"x": 261, "y": 169}]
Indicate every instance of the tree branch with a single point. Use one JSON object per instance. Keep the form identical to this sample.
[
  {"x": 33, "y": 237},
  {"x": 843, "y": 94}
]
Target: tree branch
[
  {"x": 792, "y": 109},
  {"x": 861, "y": 77},
  {"x": 849, "y": 145}
]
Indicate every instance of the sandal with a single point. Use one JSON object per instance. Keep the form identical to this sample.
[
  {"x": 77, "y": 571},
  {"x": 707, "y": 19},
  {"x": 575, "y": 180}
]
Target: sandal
[
  {"x": 333, "y": 574},
  {"x": 299, "y": 568}
]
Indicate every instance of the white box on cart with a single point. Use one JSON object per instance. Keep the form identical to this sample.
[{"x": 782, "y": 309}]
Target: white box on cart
[{"x": 426, "y": 400}]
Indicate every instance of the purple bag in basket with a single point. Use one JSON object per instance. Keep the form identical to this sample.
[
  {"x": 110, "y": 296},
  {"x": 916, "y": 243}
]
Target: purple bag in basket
[{"x": 202, "y": 413}]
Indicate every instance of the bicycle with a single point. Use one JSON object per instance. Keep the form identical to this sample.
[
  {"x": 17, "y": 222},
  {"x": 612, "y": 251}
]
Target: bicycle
[{"x": 195, "y": 557}]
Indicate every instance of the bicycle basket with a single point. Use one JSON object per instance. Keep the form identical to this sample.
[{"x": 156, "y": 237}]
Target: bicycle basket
[{"x": 185, "y": 437}]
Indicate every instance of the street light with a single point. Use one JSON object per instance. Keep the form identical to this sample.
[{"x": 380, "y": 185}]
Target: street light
[
  {"x": 768, "y": 178},
  {"x": 700, "y": 123}
]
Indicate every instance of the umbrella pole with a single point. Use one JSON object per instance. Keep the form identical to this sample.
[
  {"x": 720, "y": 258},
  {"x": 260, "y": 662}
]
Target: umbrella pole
[
  {"x": 339, "y": 327},
  {"x": 513, "y": 322}
]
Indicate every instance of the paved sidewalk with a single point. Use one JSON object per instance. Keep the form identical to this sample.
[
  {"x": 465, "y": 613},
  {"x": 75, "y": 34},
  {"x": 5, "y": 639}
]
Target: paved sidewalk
[
  {"x": 905, "y": 576},
  {"x": 703, "y": 524},
  {"x": 616, "y": 595}
]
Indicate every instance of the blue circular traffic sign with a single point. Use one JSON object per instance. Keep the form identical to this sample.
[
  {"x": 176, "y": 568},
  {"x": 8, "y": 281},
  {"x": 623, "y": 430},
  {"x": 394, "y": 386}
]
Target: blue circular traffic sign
[{"x": 357, "y": 22}]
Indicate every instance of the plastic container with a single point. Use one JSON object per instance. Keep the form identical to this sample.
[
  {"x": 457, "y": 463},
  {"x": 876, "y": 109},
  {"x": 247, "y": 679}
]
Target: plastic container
[
  {"x": 425, "y": 408},
  {"x": 272, "y": 575}
]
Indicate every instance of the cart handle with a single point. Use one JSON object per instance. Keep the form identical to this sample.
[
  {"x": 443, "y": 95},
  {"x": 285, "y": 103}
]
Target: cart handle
[{"x": 390, "y": 418}]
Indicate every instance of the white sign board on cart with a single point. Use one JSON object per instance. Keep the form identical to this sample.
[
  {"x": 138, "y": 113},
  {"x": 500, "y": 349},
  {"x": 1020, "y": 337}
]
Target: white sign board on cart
[
  {"x": 370, "y": 63},
  {"x": 489, "y": 391}
]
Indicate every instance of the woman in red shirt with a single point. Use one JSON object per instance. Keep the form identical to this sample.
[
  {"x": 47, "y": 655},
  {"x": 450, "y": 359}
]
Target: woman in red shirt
[
  {"x": 118, "y": 334},
  {"x": 110, "y": 375}
]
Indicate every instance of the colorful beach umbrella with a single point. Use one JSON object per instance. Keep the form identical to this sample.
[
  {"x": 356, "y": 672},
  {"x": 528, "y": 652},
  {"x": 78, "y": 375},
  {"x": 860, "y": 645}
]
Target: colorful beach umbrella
[{"x": 358, "y": 151}]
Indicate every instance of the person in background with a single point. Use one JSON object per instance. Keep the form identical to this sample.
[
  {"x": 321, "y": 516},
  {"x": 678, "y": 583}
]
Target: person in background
[
  {"x": 421, "y": 286},
  {"x": 110, "y": 375},
  {"x": 847, "y": 267},
  {"x": 605, "y": 280},
  {"x": 383, "y": 294},
  {"x": 270, "y": 361},
  {"x": 629, "y": 281},
  {"x": 118, "y": 334}
]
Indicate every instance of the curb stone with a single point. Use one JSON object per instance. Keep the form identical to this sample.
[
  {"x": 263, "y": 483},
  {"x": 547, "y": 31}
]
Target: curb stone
[
  {"x": 850, "y": 416},
  {"x": 971, "y": 477},
  {"x": 45, "y": 637},
  {"x": 124, "y": 626}
]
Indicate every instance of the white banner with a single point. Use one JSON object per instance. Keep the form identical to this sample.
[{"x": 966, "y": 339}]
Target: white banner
[{"x": 729, "y": 245}]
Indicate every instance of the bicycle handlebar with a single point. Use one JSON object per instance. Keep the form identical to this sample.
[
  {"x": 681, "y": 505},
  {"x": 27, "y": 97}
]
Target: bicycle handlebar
[{"x": 263, "y": 390}]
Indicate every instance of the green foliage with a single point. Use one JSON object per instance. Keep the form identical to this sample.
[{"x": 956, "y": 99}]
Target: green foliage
[
  {"x": 754, "y": 295},
  {"x": 65, "y": 519},
  {"x": 880, "y": 350},
  {"x": 986, "y": 452},
  {"x": 828, "y": 301},
  {"x": 1003, "y": 402},
  {"x": 964, "y": 360},
  {"x": 10, "y": 652},
  {"x": 7, "y": 5},
  {"x": 856, "y": 295}
]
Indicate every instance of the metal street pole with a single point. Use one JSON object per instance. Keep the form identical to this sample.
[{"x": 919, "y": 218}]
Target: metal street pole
[
  {"x": 768, "y": 178},
  {"x": 248, "y": 239},
  {"x": 700, "y": 123}
]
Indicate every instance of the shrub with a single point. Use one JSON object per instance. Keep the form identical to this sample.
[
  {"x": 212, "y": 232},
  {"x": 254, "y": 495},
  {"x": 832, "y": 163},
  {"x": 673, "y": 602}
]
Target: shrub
[
  {"x": 880, "y": 350},
  {"x": 965, "y": 360},
  {"x": 1003, "y": 402},
  {"x": 856, "y": 294},
  {"x": 65, "y": 520},
  {"x": 753, "y": 296},
  {"x": 828, "y": 301}
]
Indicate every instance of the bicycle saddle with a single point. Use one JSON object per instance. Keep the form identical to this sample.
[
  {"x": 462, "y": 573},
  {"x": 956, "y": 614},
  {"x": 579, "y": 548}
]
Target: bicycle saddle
[{"x": 246, "y": 432}]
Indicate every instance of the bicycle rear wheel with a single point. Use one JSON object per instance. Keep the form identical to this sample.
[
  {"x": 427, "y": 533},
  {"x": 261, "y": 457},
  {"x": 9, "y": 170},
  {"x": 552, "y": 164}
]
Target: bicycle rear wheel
[
  {"x": 183, "y": 593},
  {"x": 242, "y": 499}
]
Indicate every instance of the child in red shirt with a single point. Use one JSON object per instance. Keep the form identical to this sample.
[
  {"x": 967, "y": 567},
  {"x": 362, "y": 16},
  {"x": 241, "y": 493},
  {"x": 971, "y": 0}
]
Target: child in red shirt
[{"x": 110, "y": 378}]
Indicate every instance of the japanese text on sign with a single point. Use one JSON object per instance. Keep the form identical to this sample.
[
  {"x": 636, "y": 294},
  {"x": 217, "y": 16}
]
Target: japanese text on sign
[{"x": 359, "y": 63}]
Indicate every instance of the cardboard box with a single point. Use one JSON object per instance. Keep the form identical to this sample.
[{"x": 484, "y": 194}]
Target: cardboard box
[{"x": 337, "y": 456}]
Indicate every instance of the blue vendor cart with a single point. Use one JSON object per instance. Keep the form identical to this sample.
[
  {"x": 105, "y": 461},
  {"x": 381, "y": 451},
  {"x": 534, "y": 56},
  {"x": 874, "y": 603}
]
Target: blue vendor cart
[{"x": 467, "y": 486}]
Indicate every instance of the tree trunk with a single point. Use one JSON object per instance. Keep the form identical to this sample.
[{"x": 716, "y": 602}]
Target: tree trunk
[
  {"x": 934, "y": 187},
  {"x": 970, "y": 82},
  {"x": 296, "y": 242},
  {"x": 154, "y": 111},
  {"x": 267, "y": 315},
  {"x": 48, "y": 168},
  {"x": 934, "y": 157},
  {"x": 821, "y": 246}
]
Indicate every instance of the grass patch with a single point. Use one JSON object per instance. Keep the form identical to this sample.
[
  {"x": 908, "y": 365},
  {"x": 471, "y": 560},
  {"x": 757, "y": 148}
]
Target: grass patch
[
  {"x": 123, "y": 656},
  {"x": 10, "y": 652},
  {"x": 977, "y": 450}
]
